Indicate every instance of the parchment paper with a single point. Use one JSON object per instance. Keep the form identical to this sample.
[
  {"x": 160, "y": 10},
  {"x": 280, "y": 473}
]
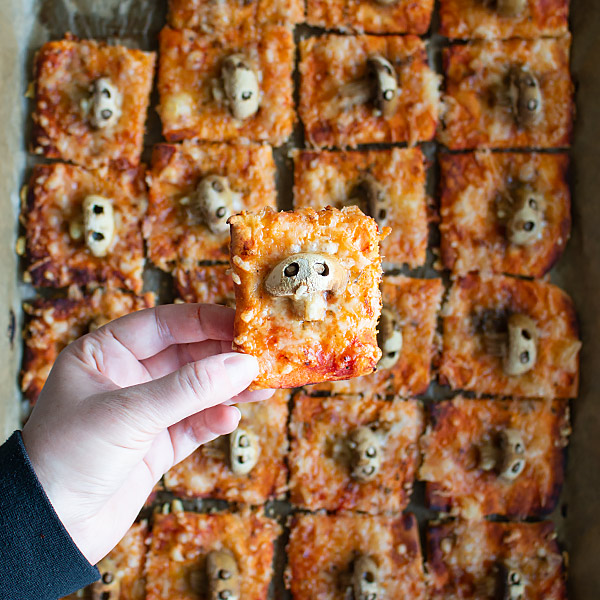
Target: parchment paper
[{"x": 26, "y": 24}]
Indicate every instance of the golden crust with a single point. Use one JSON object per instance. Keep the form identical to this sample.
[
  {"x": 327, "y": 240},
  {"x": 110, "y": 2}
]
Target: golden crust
[
  {"x": 129, "y": 559},
  {"x": 51, "y": 325},
  {"x": 463, "y": 19},
  {"x": 208, "y": 17},
  {"x": 320, "y": 473},
  {"x": 206, "y": 472},
  {"x": 417, "y": 302},
  {"x": 189, "y": 66},
  {"x": 450, "y": 457},
  {"x": 466, "y": 365},
  {"x": 473, "y": 238},
  {"x": 464, "y": 556},
  {"x": 322, "y": 549},
  {"x": 474, "y": 111},
  {"x": 292, "y": 352},
  {"x": 205, "y": 285},
  {"x": 330, "y": 61},
  {"x": 328, "y": 178},
  {"x": 55, "y": 196},
  {"x": 174, "y": 236},
  {"x": 64, "y": 71},
  {"x": 182, "y": 541},
  {"x": 403, "y": 16}
]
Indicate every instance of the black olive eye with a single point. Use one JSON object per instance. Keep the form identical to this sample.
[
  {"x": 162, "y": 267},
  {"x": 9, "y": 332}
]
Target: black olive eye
[
  {"x": 217, "y": 186},
  {"x": 224, "y": 574},
  {"x": 291, "y": 270},
  {"x": 518, "y": 448},
  {"x": 369, "y": 577},
  {"x": 246, "y": 95},
  {"x": 225, "y": 595},
  {"x": 369, "y": 470},
  {"x": 106, "y": 113},
  {"x": 524, "y": 357},
  {"x": 392, "y": 354},
  {"x": 322, "y": 269},
  {"x": 98, "y": 210},
  {"x": 525, "y": 334},
  {"x": 382, "y": 214},
  {"x": 98, "y": 237},
  {"x": 371, "y": 452},
  {"x": 532, "y": 104},
  {"x": 533, "y": 203},
  {"x": 105, "y": 92},
  {"x": 244, "y": 442},
  {"x": 528, "y": 226},
  {"x": 388, "y": 95},
  {"x": 105, "y": 595},
  {"x": 221, "y": 212},
  {"x": 107, "y": 578}
]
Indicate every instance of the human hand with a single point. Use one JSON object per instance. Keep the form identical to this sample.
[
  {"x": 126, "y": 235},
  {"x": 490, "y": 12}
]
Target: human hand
[{"x": 125, "y": 403}]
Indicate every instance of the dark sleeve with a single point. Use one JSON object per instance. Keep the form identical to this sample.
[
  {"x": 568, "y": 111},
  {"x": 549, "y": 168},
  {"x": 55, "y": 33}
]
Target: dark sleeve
[{"x": 38, "y": 558}]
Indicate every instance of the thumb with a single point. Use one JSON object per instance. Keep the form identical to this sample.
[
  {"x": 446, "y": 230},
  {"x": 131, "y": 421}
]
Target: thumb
[{"x": 199, "y": 385}]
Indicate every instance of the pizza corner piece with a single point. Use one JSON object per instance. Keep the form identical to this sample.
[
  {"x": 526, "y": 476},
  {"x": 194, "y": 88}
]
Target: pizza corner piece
[{"x": 307, "y": 293}]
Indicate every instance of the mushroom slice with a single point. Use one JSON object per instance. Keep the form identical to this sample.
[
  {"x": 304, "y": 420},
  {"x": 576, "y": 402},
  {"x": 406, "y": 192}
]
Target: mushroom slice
[
  {"x": 105, "y": 107},
  {"x": 511, "y": 8},
  {"x": 385, "y": 85},
  {"x": 370, "y": 196},
  {"x": 526, "y": 220},
  {"x": 365, "y": 454},
  {"x": 223, "y": 576},
  {"x": 525, "y": 96},
  {"x": 306, "y": 278},
  {"x": 389, "y": 338},
  {"x": 108, "y": 587},
  {"x": 243, "y": 451},
  {"x": 240, "y": 84},
  {"x": 213, "y": 203},
  {"x": 521, "y": 352},
  {"x": 365, "y": 578},
  {"x": 98, "y": 224},
  {"x": 512, "y": 453}
]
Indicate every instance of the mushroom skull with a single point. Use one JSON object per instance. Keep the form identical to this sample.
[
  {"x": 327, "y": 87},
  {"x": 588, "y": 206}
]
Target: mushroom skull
[
  {"x": 525, "y": 223},
  {"x": 521, "y": 352},
  {"x": 223, "y": 576},
  {"x": 240, "y": 84},
  {"x": 108, "y": 587},
  {"x": 99, "y": 224},
  {"x": 212, "y": 202},
  {"x": 385, "y": 84},
  {"x": 106, "y": 101},
  {"x": 243, "y": 451},
  {"x": 512, "y": 451},
  {"x": 365, "y": 451},
  {"x": 525, "y": 96},
  {"x": 389, "y": 338},
  {"x": 365, "y": 578}
]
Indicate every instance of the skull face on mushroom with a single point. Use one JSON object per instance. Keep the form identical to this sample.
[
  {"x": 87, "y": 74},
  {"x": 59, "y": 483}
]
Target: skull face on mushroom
[{"x": 213, "y": 202}]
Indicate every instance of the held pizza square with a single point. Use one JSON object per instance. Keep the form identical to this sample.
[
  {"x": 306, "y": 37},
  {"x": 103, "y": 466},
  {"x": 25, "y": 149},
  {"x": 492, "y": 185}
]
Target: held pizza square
[
  {"x": 513, "y": 94},
  {"x": 503, "y": 19},
  {"x": 473, "y": 560},
  {"x": 122, "y": 571},
  {"x": 210, "y": 284},
  {"x": 246, "y": 466},
  {"x": 211, "y": 555},
  {"x": 214, "y": 17},
  {"x": 406, "y": 338},
  {"x": 388, "y": 185},
  {"x": 367, "y": 89},
  {"x": 494, "y": 457},
  {"x": 84, "y": 226},
  {"x": 354, "y": 556},
  {"x": 504, "y": 212},
  {"x": 194, "y": 189},
  {"x": 91, "y": 101},
  {"x": 509, "y": 336},
  {"x": 52, "y": 324},
  {"x": 307, "y": 294},
  {"x": 382, "y": 16},
  {"x": 353, "y": 453},
  {"x": 228, "y": 86}
]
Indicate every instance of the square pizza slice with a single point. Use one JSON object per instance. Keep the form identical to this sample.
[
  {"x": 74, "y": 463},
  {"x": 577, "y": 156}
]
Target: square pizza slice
[
  {"x": 495, "y": 457},
  {"x": 367, "y": 89},
  {"x": 246, "y": 466},
  {"x": 485, "y": 559},
  {"x": 52, "y": 324},
  {"x": 360, "y": 16},
  {"x": 234, "y": 85},
  {"x": 122, "y": 570},
  {"x": 503, "y": 19},
  {"x": 211, "y": 555},
  {"x": 194, "y": 189},
  {"x": 211, "y": 284},
  {"x": 91, "y": 101},
  {"x": 504, "y": 212},
  {"x": 354, "y": 556},
  {"x": 407, "y": 339},
  {"x": 84, "y": 227},
  {"x": 507, "y": 94},
  {"x": 509, "y": 336},
  {"x": 307, "y": 293},
  {"x": 353, "y": 453},
  {"x": 388, "y": 185}
]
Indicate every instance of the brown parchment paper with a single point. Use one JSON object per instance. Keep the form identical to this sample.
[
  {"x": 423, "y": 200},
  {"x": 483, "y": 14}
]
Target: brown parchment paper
[{"x": 26, "y": 24}]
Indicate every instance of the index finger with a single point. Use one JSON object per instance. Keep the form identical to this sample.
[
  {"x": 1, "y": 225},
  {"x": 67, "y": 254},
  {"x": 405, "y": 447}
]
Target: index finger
[{"x": 148, "y": 332}]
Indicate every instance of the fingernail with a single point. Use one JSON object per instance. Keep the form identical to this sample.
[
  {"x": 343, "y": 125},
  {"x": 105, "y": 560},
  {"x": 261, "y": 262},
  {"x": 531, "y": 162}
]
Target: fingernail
[
  {"x": 241, "y": 369},
  {"x": 239, "y": 413}
]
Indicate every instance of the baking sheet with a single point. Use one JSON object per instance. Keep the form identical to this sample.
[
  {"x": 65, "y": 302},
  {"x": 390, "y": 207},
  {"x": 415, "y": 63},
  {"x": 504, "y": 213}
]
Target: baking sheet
[{"x": 26, "y": 24}]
